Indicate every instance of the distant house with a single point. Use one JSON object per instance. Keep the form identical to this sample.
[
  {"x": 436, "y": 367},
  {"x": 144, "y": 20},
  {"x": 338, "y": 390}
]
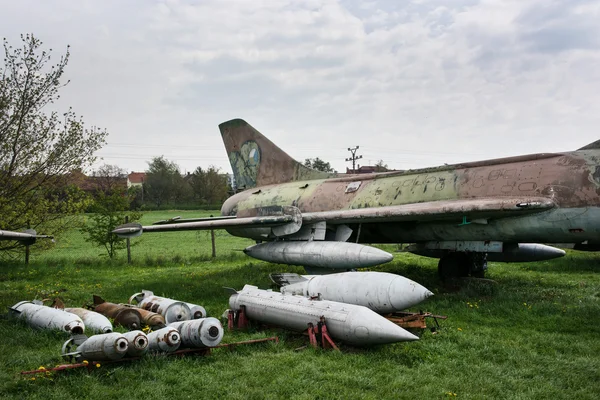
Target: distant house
[{"x": 136, "y": 179}]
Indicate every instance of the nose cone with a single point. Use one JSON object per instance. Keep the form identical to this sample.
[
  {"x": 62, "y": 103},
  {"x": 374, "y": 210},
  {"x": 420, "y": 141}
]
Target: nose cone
[
  {"x": 382, "y": 332},
  {"x": 405, "y": 293},
  {"x": 370, "y": 256},
  {"x": 371, "y": 329}
]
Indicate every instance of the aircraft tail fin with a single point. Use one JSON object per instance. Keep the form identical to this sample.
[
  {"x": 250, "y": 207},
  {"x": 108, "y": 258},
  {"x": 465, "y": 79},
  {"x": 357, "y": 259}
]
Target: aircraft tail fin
[
  {"x": 256, "y": 161},
  {"x": 592, "y": 146}
]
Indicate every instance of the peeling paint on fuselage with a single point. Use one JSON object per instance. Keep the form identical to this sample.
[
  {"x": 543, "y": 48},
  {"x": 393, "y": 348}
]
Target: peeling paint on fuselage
[{"x": 571, "y": 180}]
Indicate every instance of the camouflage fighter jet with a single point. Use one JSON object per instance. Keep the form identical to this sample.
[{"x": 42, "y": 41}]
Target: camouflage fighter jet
[{"x": 463, "y": 214}]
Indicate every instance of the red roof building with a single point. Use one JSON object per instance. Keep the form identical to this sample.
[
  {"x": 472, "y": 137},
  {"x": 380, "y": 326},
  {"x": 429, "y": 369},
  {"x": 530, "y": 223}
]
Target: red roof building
[{"x": 136, "y": 179}]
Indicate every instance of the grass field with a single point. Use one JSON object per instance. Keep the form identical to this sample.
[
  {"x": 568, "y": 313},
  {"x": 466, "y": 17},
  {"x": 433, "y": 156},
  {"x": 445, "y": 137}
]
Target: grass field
[{"x": 534, "y": 334}]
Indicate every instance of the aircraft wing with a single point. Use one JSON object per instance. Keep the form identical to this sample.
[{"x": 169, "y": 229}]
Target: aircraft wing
[
  {"x": 283, "y": 220},
  {"x": 28, "y": 236},
  {"x": 179, "y": 220},
  {"x": 471, "y": 209},
  {"x": 286, "y": 220}
]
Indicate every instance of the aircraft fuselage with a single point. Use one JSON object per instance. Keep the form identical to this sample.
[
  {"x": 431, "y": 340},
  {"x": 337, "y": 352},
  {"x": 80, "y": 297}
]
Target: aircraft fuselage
[{"x": 571, "y": 180}]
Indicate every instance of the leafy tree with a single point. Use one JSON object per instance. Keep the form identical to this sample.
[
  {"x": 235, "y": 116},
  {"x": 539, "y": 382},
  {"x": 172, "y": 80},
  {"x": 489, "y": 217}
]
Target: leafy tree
[
  {"x": 210, "y": 185},
  {"x": 164, "y": 182},
  {"x": 38, "y": 147},
  {"x": 110, "y": 210},
  {"x": 380, "y": 166},
  {"x": 318, "y": 164},
  {"x": 109, "y": 178}
]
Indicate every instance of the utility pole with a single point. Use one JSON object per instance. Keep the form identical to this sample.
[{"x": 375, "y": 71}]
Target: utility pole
[{"x": 353, "y": 158}]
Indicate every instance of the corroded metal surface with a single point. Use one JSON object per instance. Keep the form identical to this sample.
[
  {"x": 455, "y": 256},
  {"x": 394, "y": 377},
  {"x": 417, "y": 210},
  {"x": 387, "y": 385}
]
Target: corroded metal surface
[
  {"x": 166, "y": 340},
  {"x": 137, "y": 343},
  {"x": 204, "y": 332},
  {"x": 39, "y": 316},
  {"x": 429, "y": 204},
  {"x": 256, "y": 161},
  {"x": 106, "y": 346},
  {"x": 171, "y": 310},
  {"x": 93, "y": 321},
  {"x": 545, "y": 198},
  {"x": 274, "y": 220},
  {"x": 124, "y": 316},
  {"x": 148, "y": 317}
]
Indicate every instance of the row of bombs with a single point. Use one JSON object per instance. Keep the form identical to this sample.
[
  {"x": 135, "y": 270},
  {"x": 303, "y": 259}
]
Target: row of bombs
[
  {"x": 351, "y": 302},
  {"x": 172, "y": 320},
  {"x": 143, "y": 309},
  {"x": 190, "y": 334}
]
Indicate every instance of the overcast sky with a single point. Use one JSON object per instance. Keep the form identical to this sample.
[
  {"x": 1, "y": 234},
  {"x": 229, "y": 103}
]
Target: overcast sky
[{"x": 414, "y": 83}]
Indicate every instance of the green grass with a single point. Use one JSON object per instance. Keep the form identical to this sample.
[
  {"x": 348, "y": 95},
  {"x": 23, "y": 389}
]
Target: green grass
[{"x": 534, "y": 334}]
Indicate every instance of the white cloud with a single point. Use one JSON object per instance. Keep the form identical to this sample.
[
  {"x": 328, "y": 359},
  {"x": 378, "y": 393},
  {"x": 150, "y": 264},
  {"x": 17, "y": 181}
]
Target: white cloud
[{"x": 413, "y": 83}]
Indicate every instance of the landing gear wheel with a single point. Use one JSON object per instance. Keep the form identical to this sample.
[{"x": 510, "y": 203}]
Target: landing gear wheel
[
  {"x": 453, "y": 265},
  {"x": 477, "y": 264},
  {"x": 460, "y": 265}
]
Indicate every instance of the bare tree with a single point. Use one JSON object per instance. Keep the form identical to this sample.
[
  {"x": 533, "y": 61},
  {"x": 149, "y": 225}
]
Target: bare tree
[{"x": 109, "y": 178}]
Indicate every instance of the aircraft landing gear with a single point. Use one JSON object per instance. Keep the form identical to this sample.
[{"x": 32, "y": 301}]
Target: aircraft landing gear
[{"x": 460, "y": 265}]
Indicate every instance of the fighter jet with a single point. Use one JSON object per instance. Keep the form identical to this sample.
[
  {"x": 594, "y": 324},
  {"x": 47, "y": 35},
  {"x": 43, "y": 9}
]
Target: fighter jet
[{"x": 463, "y": 214}]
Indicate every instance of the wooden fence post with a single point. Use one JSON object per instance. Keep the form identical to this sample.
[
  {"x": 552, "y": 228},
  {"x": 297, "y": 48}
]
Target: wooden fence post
[
  {"x": 27, "y": 247},
  {"x": 128, "y": 243},
  {"x": 212, "y": 238}
]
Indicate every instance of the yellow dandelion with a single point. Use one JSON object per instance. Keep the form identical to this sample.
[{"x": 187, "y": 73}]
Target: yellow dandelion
[
  {"x": 460, "y": 329},
  {"x": 97, "y": 365},
  {"x": 85, "y": 362}
]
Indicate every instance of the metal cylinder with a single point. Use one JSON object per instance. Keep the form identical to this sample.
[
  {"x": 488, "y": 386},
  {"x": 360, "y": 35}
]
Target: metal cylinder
[
  {"x": 138, "y": 343},
  {"x": 171, "y": 310},
  {"x": 166, "y": 340},
  {"x": 351, "y": 323},
  {"x": 382, "y": 292},
  {"x": 107, "y": 346},
  {"x": 204, "y": 332},
  {"x": 39, "y": 316},
  {"x": 148, "y": 317},
  {"x": 319, "y": 253},
  {"x": 124, "y": 316},
  {"x": 196, "y": 311},
  {"x": 93, "y": 321}
]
